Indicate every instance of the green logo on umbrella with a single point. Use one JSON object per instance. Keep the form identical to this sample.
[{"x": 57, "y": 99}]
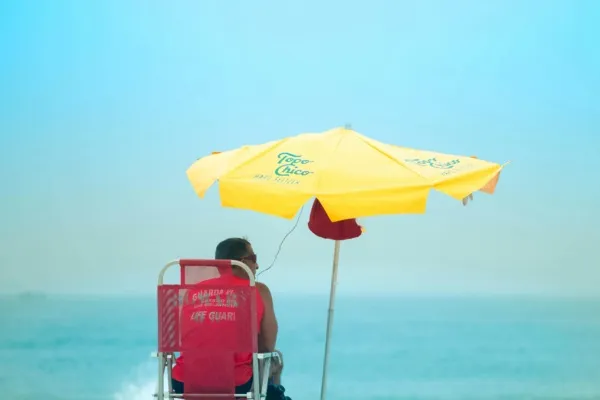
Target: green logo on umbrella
[
  {"x": 290, "y": 164},
  {"x": 433, "y": 162}
]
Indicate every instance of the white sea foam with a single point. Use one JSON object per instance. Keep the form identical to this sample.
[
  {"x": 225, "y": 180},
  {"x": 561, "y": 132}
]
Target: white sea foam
[
  {"x": 141, "y": 385},
  {"x": 137, "y": 391}
]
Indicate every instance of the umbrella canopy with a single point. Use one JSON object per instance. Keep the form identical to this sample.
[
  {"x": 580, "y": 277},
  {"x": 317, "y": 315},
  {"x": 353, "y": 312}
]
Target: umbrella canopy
[{"x": 351, "y": 174}]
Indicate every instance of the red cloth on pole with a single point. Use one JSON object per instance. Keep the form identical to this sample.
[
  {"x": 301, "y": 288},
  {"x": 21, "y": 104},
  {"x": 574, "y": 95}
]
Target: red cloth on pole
[{"x": 320, "y": 224}]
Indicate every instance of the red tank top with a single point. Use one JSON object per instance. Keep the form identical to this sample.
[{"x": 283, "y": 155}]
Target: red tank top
[{"x": 243, "y": 361}]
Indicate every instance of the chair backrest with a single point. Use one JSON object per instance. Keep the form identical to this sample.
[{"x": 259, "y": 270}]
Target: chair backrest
[{"x": 209, "y": 320}]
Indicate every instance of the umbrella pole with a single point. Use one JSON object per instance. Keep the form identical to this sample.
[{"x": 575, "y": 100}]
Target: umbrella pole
[{"x": 336, "y": 256}]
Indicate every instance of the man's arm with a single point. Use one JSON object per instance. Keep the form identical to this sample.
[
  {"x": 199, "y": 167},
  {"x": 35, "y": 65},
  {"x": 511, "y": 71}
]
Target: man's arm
[{"x": 268, "y": 325}]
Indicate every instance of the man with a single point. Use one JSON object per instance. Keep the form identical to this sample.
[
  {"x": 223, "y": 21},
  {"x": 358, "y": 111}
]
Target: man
[{"x": 241, "y": 250}]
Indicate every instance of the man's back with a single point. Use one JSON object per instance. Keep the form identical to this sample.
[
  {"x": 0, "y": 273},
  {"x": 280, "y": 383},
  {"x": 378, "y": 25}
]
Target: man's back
[{"x": 210, "y": 317}]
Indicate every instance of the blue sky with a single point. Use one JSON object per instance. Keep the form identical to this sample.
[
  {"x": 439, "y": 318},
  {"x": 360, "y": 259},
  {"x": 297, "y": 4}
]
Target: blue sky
[{"x": 104, "y": 105}]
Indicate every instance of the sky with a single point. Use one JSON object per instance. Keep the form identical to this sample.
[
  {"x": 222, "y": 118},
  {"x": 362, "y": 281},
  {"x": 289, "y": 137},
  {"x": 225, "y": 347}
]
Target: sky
[{"x": 104, "y": 105}]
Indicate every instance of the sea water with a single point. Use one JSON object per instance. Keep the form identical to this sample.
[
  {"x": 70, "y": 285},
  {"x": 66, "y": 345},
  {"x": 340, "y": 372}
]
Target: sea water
[{"x": 382, "y": 348}]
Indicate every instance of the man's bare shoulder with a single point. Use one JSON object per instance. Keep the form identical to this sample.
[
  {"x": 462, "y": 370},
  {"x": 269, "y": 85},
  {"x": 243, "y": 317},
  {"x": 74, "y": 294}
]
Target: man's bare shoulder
[
  {"x": 263, "y": 288},
  {"x": 264, "y": 292}
]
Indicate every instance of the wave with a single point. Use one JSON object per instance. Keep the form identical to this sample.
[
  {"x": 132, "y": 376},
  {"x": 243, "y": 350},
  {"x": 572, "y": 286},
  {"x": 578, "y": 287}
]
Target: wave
[{"x": 140, "y": 386}]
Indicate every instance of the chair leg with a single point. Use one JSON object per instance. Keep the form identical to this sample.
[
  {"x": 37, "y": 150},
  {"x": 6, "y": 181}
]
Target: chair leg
[
  {"x": 255, "y": 378},
  {"x": 170, "y": 359},
  {"x": 266, "y": 373},
  {"x": 161, "y": 374}
]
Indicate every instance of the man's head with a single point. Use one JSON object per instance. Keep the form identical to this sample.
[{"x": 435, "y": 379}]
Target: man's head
[{"x": 237, "y": 249}]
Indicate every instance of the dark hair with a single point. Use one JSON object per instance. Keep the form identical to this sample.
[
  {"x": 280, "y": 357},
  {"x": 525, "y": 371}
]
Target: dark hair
[{"x": 232, "y": 249}]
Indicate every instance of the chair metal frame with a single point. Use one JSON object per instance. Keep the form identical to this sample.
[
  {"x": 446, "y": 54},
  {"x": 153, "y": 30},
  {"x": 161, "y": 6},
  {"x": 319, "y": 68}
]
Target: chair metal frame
[{"x": 261, "y": 362}]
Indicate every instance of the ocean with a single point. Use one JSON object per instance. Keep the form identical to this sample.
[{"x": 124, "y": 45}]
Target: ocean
[{"x": 81, "y": 348}]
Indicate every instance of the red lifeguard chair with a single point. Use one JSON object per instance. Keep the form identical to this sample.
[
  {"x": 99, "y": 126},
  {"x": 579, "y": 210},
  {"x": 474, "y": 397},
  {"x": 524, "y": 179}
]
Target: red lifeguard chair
[{"x": 187, "y": 312}]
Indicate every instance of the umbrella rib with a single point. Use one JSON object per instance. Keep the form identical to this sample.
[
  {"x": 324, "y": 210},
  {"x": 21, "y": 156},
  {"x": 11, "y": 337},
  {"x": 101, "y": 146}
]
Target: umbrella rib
[
  {"x": 250, "y": 159},
  {"x": 329, "y": 161},
  {"x": 385, "y": 153}
]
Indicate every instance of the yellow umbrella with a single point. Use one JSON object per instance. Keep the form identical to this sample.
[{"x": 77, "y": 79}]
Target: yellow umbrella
[{"x": 351, "y": 174}]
